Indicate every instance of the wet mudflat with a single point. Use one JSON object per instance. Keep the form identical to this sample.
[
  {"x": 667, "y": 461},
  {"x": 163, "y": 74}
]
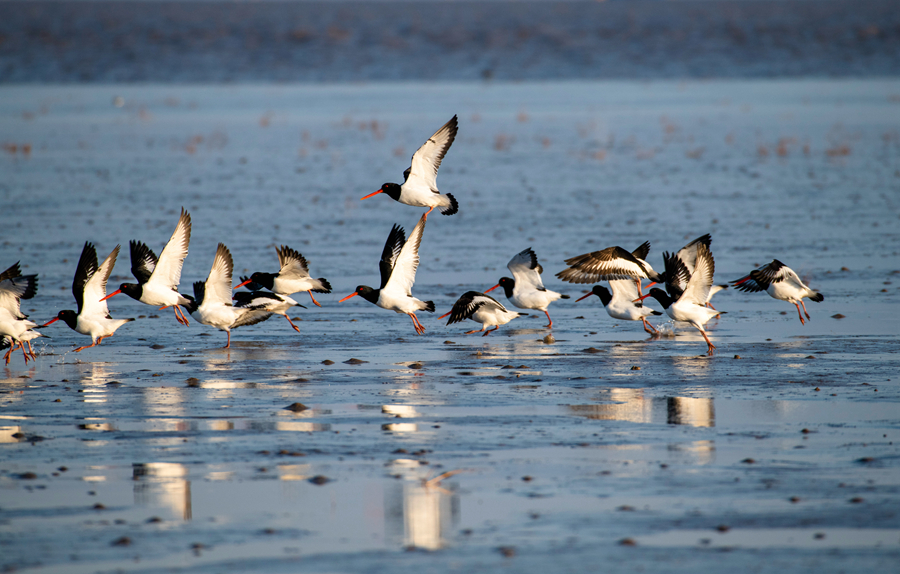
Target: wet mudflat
[{"x": 160, "y": 451}]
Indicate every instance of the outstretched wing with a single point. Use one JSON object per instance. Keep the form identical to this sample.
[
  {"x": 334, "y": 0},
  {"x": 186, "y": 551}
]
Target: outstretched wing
[
  {"x": 469, "y": 304},
  {"x": 760, "y": 279},
  {"x": 95, "y": 286},
  {"x": 171, "y": 260},
  {"x": 677, "y": 275},
  {"x": 13, "y": 289},
  {"x": 688, "y": 253},
  {"x": 395, "y": 240},
  {"x": 427, "y": 159},
  {"x": 610, "y": 263},
  {"x": 218, "y": 284},
  {"x": 526, "y": 270},
  {"x": 143, "y": 261},
  {"x": 701, "y": 279},
  {"x": 293, "y": 264},
  {"x": 251, "y": 317},
  {"x": 13, "y": 271},
  {"x": 407, "y": 262}
]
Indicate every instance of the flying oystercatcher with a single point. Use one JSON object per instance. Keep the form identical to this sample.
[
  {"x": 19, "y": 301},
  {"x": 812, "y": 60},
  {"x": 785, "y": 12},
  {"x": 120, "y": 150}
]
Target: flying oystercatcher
[
  {"x": 89, "y": 289},
  {"x": 293, "y": 277},
  {"x": 158, "y": 278},
  {"x": 482, "y": 309},
  {"x": 419, "y": 187},
  {"x": 399, "y": 261},
  {"x": 780, "y": 282},
  {"x": 526, "y": 290},
  {"x": 211, "y": 304}
]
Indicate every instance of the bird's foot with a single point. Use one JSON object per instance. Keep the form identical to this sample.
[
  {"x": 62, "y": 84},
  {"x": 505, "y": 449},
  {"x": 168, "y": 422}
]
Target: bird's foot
[{"x": 473, "y": 331}]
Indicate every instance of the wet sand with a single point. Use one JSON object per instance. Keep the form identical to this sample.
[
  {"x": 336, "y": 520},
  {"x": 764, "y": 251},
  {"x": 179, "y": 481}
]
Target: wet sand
[{"x": 180, "y": 456}]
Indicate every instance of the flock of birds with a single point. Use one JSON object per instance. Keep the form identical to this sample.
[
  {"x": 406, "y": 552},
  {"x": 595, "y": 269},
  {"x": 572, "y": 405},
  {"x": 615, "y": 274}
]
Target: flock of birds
[{"x": 687, "y": 278}]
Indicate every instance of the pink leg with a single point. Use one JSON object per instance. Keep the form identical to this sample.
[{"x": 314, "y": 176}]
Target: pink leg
[
  {"x": 427, "y": 212},
  {"x": 313, "y": 299},
  {"x": 292, "y": 323},
  {"x": 805, "y": 312},
  {"x": 550, "y": 326},
  {"x": 649, "y": 328},
  {"x": 489, "y": 331},
  {"x": 711, "y": 348},
  {"x": 799, "y": 314},
  {"x": 638, "y": 282}
]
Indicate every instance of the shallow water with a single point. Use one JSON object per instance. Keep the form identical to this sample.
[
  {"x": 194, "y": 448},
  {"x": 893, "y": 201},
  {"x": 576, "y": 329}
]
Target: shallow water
[{"x": 565, "y": 449}]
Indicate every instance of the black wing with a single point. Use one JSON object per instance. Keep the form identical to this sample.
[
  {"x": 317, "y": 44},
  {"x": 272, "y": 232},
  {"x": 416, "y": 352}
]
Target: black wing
[
  {"x": 643, "y": 251},
  {"x": 87, "y": 266},
  {"x": 143, "y": 261},
  {"x": 677, "y": 275},
  {"x": 609, "y": 263},
  {"x": 12, "y": 272},
  {"x": 392, "y": 247},
  {"x": 199, "y": 292}
]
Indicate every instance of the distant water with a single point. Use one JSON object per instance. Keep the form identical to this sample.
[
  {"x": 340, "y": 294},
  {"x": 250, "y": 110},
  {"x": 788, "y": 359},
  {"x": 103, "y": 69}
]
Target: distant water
[{"x": 371, "y": 41}]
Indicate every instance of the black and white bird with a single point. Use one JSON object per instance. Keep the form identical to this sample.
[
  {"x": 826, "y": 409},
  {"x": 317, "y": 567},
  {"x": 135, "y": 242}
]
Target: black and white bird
[
  {"x": 272, "y": 302},
  {"x": 419, "y": 187},
  {"x": 399, "y": 261},
  {"x": 158, "y": 278},
  {"x": 212, "y": 305},
  {"x": 780, "y": 282},
  {"x": 89, "y": 288},
  {"x": 687, "y": 293},
  {"x": 14, "y": 325},
  {"x": 293, "y": 277},
  {"x": 688, "y": 256},
  {"x": 612, "y": 263},
  {"x": 526, "y": 290},
  {"x": 622, "y": 304},
  {"x": 482, "y": 309}
]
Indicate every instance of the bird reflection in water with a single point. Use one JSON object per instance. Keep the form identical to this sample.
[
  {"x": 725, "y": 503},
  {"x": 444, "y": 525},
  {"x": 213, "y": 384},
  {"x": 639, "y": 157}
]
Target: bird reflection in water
[
  {"x": 632, "y": 406},
  {"x": 163, "y": 484},
  {"x": 421, "y": 511}
]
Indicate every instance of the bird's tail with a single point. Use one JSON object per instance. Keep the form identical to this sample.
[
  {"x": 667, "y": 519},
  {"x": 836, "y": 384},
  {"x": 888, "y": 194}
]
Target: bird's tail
[
  {"x": 656, "y": 313},
  {"x": 429, "y": 306},
  {"x": 561, "y": 296},
  {"x": 453, "y": 208},
  {"x": 326, "y": 286},
  {"x": 817, "y": 297}
]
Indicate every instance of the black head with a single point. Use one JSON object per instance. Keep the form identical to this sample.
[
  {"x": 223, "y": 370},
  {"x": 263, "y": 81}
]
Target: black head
[
  {"x": 367, "y": 293},
  {"x": 132, "y": 290},
  {"x": 508, "y": 286},
  {"x": 603, "y": 293},
  {"x": 661, "y": 296},
  {"x": 68, "y": 317},
  {"x": 392, "y": 190},
  {"x": 259, "y": 280}
]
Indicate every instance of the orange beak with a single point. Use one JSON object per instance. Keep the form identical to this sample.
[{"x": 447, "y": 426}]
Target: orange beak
[
  {"x": 350, "y": 295},
  {"x": 488, "y": 291},
  {"x": 53, "y": 320},
  {"x": 444, "y": 315},
  {"x": 116, "y": 292},
  {"x": 649, "y": 285},
  {"x": 242, "y": 284},
  {"x": 585, "y": 297},
  {"x": 371, "y": 194},
  {"x": 639, "y": 299}
]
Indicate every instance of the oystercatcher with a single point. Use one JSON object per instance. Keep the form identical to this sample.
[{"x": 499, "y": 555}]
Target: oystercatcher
[
  {"x": 292, "y": 278},
  {"x": 688, "y": 303},
  {"x": 211, "y": 304},
  {"x": 482, "y": 309},
  {"x": 526, "y": 290},
  {"x": 620, "y": 304},
  {"x": 273, "y": 302},
  {"x": 13, "y": 323},
  {"x": 399, "y": 261},
  {"x": 609, "y": 264},
  {"x": 419, "y": 188},
  {"x": 688, "y": 255},
  {"x": 158, "y": 279},
  {"x": 89, "y": 289},
  {"x": 780, "y": 282}
]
